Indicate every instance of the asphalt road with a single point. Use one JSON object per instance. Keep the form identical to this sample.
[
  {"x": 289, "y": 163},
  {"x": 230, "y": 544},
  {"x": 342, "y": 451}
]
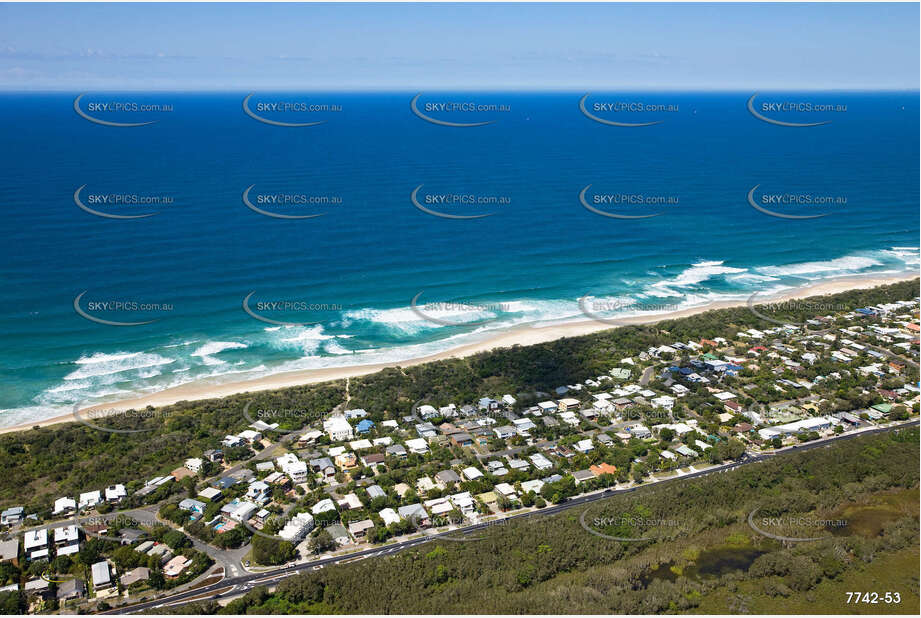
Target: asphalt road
[{"x": 243, "y": 583}]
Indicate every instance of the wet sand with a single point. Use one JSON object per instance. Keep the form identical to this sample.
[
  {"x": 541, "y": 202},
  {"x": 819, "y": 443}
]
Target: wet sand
[{"x": 520, "y": 335}]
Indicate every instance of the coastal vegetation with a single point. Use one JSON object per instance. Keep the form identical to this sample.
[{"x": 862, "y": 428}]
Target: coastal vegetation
[
  {"x": 698, "y": 552},
  {"x": 68, "y": 458}
]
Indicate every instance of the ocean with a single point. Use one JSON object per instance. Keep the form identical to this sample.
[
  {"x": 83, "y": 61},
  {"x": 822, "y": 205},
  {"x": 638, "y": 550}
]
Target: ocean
[{"x": 99, "y": 308}]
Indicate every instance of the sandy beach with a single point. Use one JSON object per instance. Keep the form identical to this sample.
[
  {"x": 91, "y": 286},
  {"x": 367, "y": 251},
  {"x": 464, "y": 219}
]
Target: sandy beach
[{"x": 520, "y": 335}]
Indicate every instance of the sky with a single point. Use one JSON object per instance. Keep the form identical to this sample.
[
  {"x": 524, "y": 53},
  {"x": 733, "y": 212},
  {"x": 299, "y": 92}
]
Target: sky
[{"x": 78, "y": 47}]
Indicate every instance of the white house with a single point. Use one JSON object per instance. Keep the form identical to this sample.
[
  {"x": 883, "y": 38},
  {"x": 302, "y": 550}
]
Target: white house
[
  {"x": 296, "y": 469},
  {"x": 389, "y": 516},
  {"x": 297, "y": 527},
  {"x": 243, "y": 511},
  {"x": 90, "y": 499},
  {"x": 665, "y": 401},
  {"x": 115, "y": 493},
  {"x": 338, "y": 428},
  {"x": 64, "y": 505},
  {"x": 532, "y": 486},
  {"x": 250, "y": 435},
  {"x": 324, "y": 505},
  {"x": 34, "y": 540},
  {"x": 540, "y": 462},
  {"x": 471, "y": 473},
  {"x": 417, "y": 445},
  {"x": 102, "y": 578}
]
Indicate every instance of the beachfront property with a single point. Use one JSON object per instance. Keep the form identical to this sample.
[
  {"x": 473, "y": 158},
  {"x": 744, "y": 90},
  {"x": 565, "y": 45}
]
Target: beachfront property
[
  {"x": 595, "y": 420},
  {"x": 338, "y": 428}
]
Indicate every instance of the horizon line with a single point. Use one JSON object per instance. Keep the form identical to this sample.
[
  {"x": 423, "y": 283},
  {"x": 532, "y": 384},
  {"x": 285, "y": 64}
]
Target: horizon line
[{"x": 471, "y": 89}]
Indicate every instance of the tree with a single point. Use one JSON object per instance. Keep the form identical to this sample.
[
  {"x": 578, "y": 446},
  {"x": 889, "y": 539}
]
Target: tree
[
  {"x": 322, "y": 542},
  {"x": 269, "y": 551},
  {"x": 11, "y": 603},
  {"x": 176, "y": 540}
]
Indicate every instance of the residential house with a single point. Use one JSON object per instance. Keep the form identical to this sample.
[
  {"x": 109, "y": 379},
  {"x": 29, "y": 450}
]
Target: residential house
[
  {"x": 359, "y": 529},
  {"x": 540, "y": 462},
  {"x": 447, "y": 478},
  {"x": 339, "y": 533},
  {"x": 64, "y": 506},
  {"x": 389, "y": 516},
  {"x": 193, "y": 506},
  {"x": 244, "y": 511},
  {"x": 397, "y": 450},
  {"x": 418, "y": 446},
  {"x": 532, "y": 486},
  {"x": 350, "y": 502},
  {"x": 102, "y": 577},
  {"x": 71, "y": 589},
  {"x": 461, "y": 439},
  {"x": 134, "y": 576},
  {"x": 12, "y": 516},
  {"x": 323, "y": 506},
  {"x": 115, "y": 493},
  {"x": 338, "y": 428},
  {"x": 603, "y": 468},
  {"x": 471, "y": 473},
  {"x": 35, "y": 544},
  {"x": 323, "y": 465},
  {"x": 175, "y": 567},
  {"x": 90, "y": 499},
  {"x": 415, "y": 514},
  {"x": 297, "y": 528},
  {"x": 211, "y": 494},
  {"x": 375, "y": 491}
]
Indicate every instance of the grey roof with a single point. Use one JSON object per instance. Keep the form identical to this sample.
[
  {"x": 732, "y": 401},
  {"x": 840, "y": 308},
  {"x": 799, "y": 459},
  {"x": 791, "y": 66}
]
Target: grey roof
[
  {"x": 135, "y": 575},
  {"x": 337, "y": 530},
  {"x": 375, "y": 491},
  {"x": 321, "y": 463},
  {"x": 9, "y": 550},
  {"x": 412, "y": 511},
  {"x": 448, "y": 476},
  {"x": 71, "y": 588},
  {"x": 131, "y": 534},
  {"x": 360, "y": 526}
]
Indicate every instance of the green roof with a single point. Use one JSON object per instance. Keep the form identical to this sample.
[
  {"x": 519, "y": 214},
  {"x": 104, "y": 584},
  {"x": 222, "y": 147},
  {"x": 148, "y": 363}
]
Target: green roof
[{"x": 885, "y": 408}]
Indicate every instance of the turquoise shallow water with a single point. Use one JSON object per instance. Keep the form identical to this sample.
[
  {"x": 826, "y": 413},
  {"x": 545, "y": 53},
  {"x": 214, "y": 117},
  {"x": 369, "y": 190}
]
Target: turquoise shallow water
[{"x": 350, "y": 276}]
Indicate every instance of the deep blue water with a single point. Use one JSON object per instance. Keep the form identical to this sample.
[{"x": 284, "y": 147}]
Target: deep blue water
[{"x": 538, "y": 252}]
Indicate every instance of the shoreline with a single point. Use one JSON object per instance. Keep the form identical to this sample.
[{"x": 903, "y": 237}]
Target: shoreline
[{"x": 523, "y": 335}]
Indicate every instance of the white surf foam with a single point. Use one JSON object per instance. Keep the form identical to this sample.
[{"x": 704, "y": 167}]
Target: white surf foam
[{"x": 207, "y": 352}]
